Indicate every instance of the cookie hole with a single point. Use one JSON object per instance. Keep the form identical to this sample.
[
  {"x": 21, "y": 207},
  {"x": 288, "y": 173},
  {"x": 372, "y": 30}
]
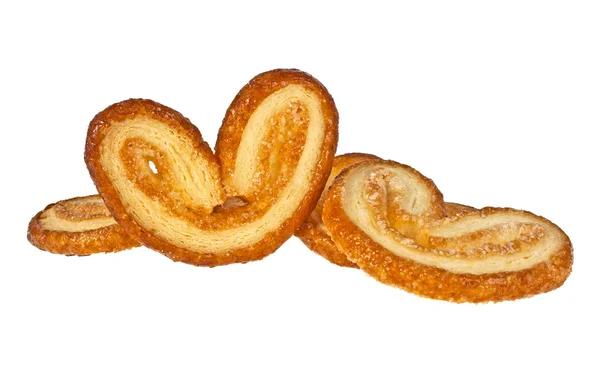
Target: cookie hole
[{"x": 152, "y": 167}]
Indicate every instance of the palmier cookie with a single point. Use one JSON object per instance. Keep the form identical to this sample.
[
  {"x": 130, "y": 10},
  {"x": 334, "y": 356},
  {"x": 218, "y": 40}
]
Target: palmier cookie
[
  {"x": 273, "y": 155},
  {"x": 389, "y": 220},
  {"x": 313, "y": 232},
  {"x": 78, "y": 226}
]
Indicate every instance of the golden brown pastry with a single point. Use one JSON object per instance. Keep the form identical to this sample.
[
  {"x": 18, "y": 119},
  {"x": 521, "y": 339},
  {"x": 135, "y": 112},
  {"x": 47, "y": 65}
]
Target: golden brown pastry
[
  {"x": 166, "y": 188},
  {"x": 78, "y": 226},
  {"x": 313, "y": 232},
  {"x": 390, "y": 220}
]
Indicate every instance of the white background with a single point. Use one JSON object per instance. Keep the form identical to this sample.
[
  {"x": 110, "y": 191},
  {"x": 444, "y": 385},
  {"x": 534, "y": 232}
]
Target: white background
[{"x": 498, "y": 102}]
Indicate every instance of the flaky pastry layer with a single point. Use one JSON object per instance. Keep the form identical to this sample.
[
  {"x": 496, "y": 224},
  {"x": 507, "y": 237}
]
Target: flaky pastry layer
[
  {"x": 391, "y": 221},
  {"x": 78, "y": 226}
]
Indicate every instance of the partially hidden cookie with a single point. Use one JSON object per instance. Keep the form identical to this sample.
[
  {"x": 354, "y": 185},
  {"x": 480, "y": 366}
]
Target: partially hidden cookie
[
  {"x": 313, "y": 232},
  {"x": 78, "y": 226}
]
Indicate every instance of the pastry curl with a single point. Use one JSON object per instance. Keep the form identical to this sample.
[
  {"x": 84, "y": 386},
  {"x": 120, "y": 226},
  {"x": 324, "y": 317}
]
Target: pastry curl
[
  {"x": 78, "y": 226},
  {"x": 313, "y": 232},
  {"x": 390, "y": 220},
  {"x": 273, "y": 155}
]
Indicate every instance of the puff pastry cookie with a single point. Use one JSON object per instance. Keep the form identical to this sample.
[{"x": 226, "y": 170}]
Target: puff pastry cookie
[
  {"x": 273, "y": 155},
  {"x": 78, "y": 226},
  {"x": 391, "y": 221}
]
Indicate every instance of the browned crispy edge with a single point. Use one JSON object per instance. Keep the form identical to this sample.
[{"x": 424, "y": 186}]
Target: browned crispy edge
[
  {"x": 433, "y": 282},
  {"x": 311, "y": 232},
  {"x": 110, "y": 238},
  {"x": 237, "y": 115},
  {"x": 319, "y": 242}
]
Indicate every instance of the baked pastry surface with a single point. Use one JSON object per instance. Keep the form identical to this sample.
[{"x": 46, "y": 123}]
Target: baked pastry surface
[
  {"x": 163, "y": 184},
  {"x": 391, "y": 221}
]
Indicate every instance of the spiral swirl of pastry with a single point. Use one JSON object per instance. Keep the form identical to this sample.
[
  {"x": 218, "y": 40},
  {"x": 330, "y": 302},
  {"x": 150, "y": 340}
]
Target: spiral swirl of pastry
[
  {"x": 78, "y": 226},
  {"x": 391, "y": 221},
  {"x": 273, "y": 155},
  {"x": 313, "y": 232}
]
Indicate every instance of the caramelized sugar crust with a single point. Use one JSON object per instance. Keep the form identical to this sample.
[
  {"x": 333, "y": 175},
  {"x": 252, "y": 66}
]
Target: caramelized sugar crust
[{"x": 392, "y": 222}]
